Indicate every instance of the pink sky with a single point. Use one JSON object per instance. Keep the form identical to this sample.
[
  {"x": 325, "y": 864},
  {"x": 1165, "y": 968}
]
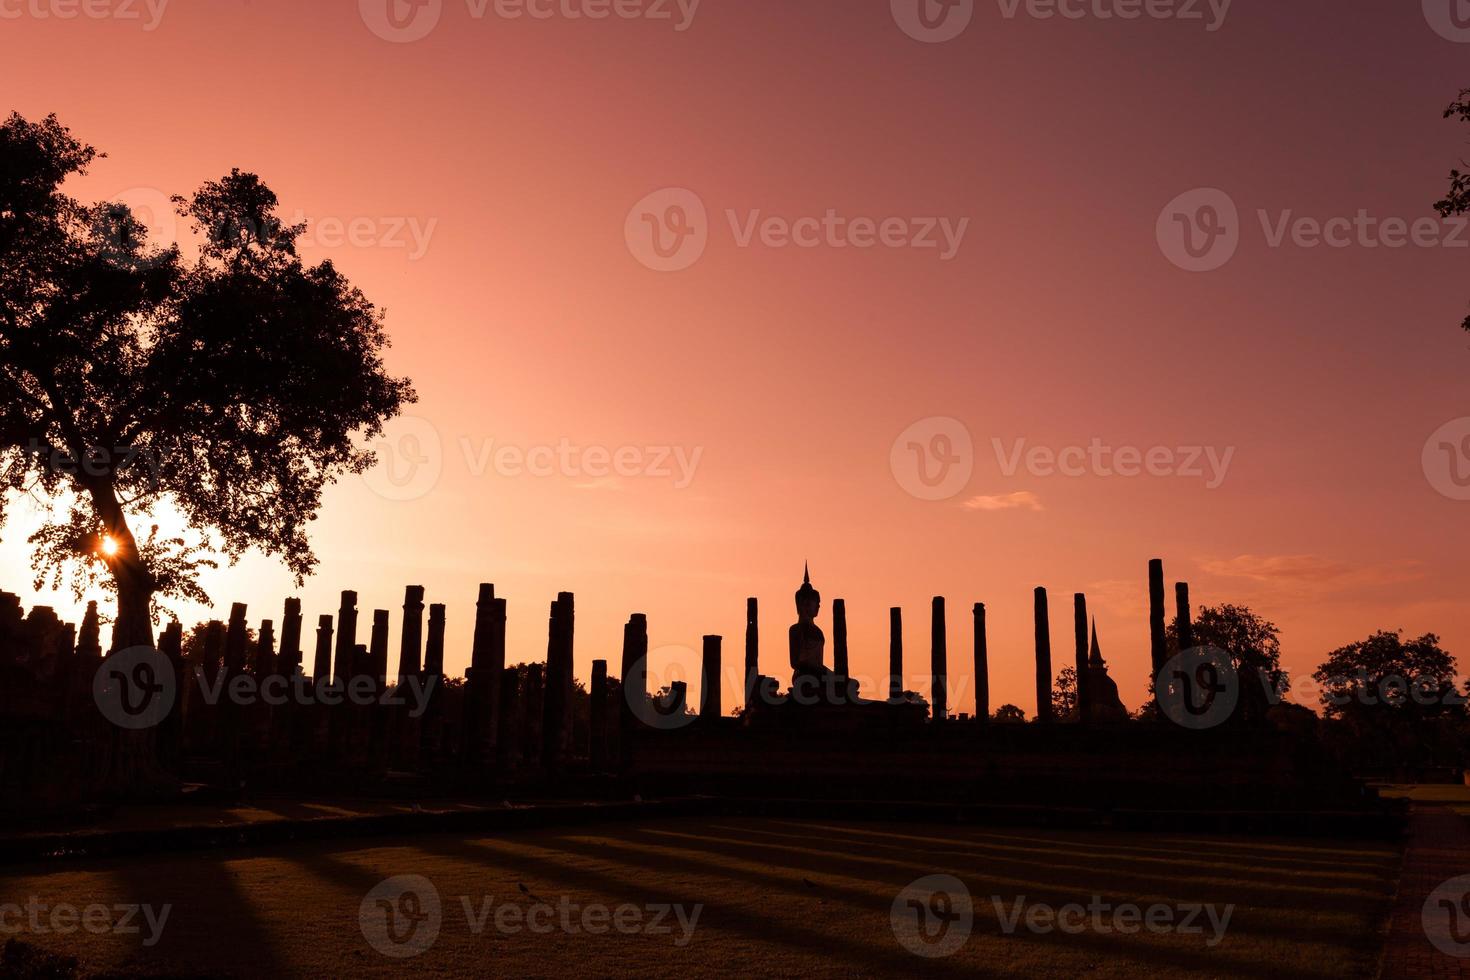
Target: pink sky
[{"x": 515, "y": 149}]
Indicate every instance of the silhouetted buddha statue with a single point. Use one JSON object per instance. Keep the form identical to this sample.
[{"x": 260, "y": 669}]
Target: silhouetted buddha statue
[{"x": 808, "y": 644}]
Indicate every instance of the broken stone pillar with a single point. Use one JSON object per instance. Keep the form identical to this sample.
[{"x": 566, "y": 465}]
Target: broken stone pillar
[
  {"x": 752, "y": 653},
  {"x": 982, "y": 666},
  {"x": 556, "y": 717},
  {"x": 378, "y": 650},
  {"x": 289, "y": 661},
  {"x": 482, "y": 680},
  {"x": 1043, "y": 659},
  {"x": 1079, "y": 615},
  {"x": 839, "y": 637},
  {"x": 895, "y": 653},
  {"x": 265, "y": 650},
  {"x": 1158, "y": 642},
  {"x": 346, "y": 637},
  {"x": 710, "y": 704},
  {"x": 410, "y": 646},
  {"x": 634, "y": 681},
  {"x": 89, "y": 638},
  {"x": 1181, "y": 610},
  {"x": 214, "y": 651},
  {"x": 939, "y": 660},
  {"x": 597, "y": 717},
  {"x": 430, "y": 748},
  {"x": 171, "y": 731},
  {"x": 236, "y": 639},
  {"x": 321, "y": 666}
]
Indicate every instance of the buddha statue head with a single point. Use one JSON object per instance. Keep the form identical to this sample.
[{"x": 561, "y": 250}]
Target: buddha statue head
[{"x": 808, "y": 599}]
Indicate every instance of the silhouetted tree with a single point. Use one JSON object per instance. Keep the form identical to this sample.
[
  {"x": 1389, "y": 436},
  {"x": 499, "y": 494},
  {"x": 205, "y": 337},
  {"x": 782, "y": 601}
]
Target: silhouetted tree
[
  {"x": 1254, "y": 643},
  {"x": 1385, "y": 673},
  {"x": 1064, "y": 695},
  {"x": 1009, "y": 713},
  {"x": 1393, "y": 703},
  {"x": 228, "y": 387}
]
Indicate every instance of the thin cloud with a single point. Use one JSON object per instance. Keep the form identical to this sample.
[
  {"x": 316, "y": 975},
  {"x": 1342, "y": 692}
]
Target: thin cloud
[
  {"x": 1314, "y": 570},
  {"x": 1020, "y": 500}
]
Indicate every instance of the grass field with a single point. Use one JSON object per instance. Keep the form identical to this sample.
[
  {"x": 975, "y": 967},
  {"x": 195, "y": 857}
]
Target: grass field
[{"x": 778, "y": 897}]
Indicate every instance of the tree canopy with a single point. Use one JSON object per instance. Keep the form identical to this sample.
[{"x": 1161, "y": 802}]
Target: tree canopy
[{"x": 230, "y": 386}]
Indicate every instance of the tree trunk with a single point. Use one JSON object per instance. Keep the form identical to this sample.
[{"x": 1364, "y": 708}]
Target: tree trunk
[
  {"x": 135, "y": 583},
  {"x": 134, "y": 770}
]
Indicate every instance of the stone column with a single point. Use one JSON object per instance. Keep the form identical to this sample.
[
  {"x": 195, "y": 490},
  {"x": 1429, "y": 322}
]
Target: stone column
[
  {"x": 1043, "y": 659},
  {"x": 433, "y": 720},
  {"x": 346, "y": 637},
  {"x": 939, "y": 660},
  {"x": 1079, "y": 615},
  {"x": 89, "y": 638},
  {"x": 265, "y": 650},
  {"x": 597, "y": 717},
  {"x": 752, "y": 652},
  {"x": 895, "y": 653},
  {"x": 839, "y": 637},
  {"x": 711, "y": 706},
  {"x": 1181, "y": 610},
  {"x": 289, "y": 662},
  {"x": 634, "y": 680},
  {"x": 1158, "y": 643},
  {"x": 982, "y": 666},
  {"x": 214, "y": 650},
  {"x": 171, "y": 731},
  {"x": 236, "y": 639},
  {"x": 378, "y": 649},
  {"x": 411, "y": 643},
  {"x": 557, "y": 704},
  {"x": 321, "y": 665},
  {"x": 482, "y": 680}
]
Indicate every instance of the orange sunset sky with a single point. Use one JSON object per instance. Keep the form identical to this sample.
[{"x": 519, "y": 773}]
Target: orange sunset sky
[{"x": 480, "y": 183}]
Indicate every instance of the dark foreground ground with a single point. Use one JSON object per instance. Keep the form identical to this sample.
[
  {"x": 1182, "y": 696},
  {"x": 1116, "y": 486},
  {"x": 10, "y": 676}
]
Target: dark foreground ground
[{"x": 773, "y": 898}]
